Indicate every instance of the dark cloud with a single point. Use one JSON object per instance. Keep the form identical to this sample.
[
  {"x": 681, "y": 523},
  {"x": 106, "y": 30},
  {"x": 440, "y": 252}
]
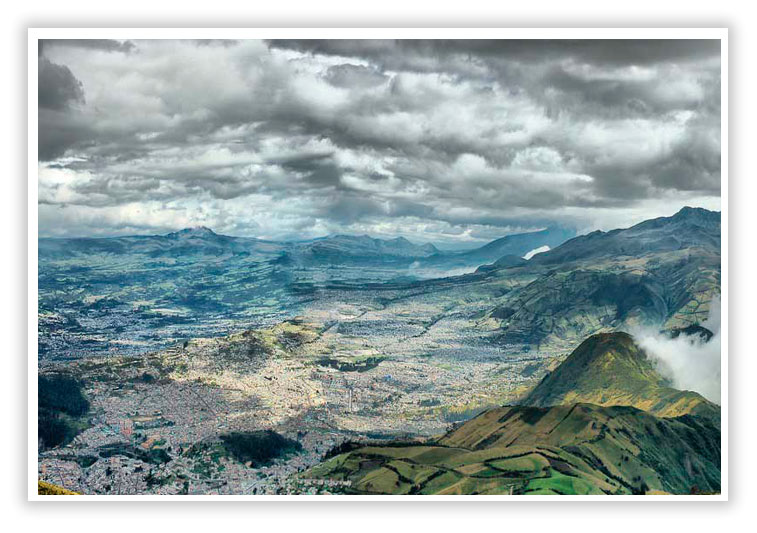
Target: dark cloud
[
  {"x": 426, "y": 55},
  {"x": 58, "y": 88},
  {"x": 318, "y": 170},
  {"x": 603, "y": 51},
  {"x": 105, "y": 45},
  {"x": 216, "y": 42},
  {"x": 58, "y": 92},
  {"x": 442, "y": 139},
  {"x": 354, "y": 76},
  {"x": 58, "y": 131}
]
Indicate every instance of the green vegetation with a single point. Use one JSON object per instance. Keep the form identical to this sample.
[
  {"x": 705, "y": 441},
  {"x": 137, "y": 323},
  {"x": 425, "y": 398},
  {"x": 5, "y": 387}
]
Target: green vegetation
[
  {"x": 85, "y": 461},
  {"x": 154, "y": 456},
  {"x": 259, "y": 447},
  {"x": 61, "y": 393},
  {"x": 581, "y": 449},
  {"x": 610, "y": 369},
  {"x": 61, "y": 406},
  {"x": 561, "y": 445},
  {"x": 358, "y": 365},
  {"x": 206, "y": 458}
]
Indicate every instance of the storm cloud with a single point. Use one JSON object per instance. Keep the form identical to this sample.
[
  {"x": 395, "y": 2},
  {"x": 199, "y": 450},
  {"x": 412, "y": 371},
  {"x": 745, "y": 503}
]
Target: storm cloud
[{"x": 452, "y": 142}]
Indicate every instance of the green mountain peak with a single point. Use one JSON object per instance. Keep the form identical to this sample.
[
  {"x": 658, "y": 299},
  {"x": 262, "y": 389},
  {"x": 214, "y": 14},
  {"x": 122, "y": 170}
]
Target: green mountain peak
[{"x": 611, "y": 369}]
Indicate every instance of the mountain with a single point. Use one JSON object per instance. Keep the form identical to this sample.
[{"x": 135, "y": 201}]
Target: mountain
[
  {"x": 153, "y": 288},
  {"x": 506, "y": 261},
  {"x": 578, "y": 449},
  {"x": 204, "y": 241},
  {"x": 350, "y": 248},
  {"x": 335, "y": 249},
  {"x": 189, "y": 242},
  {"x": 661, "y": 273},
  {"x": 511, "y": 245},
  {"x": 637, "y": 436},
  {"x": 689, "y": 228},
  {"x": 611, "y": 369},
  {"x": 519, "y": 244}
]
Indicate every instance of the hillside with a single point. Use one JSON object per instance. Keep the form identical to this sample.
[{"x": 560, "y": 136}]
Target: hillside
[
  {"x": 339, "y": 249},
  {"x": 610, "y": 369},
  {"x": 661, "y": 273},
  {"x": 189, "y": 242},
  {"x": 334, "y": 249},
  {"x": 604, "y": 422},
  {"x": 516, "y": 245},
  {"x": 581, "y": 449},
  {"x": 520, "y": 244},
  {"x": 690, "y": 227}
]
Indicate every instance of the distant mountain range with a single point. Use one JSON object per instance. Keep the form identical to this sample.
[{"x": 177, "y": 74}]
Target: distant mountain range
[
  {"x": 359, "y": 249},
  {"x": 152, "y": 290},
  {"x": 198, "y": 241},
  {"x": 663, "y": 273},
  {"x": 604, "y": 422},
  {"x": 690, "y": 227},
  {"x": 336, "y": 249}
]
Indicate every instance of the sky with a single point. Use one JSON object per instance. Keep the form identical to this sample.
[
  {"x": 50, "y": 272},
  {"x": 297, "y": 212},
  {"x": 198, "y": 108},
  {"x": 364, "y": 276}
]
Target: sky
[{"x": 450, "y": 142}]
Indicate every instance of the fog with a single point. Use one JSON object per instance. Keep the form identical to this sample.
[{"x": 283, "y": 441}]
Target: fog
[
  {"x": 535, "y": 251},
  {"x": 689, "y": 361}
]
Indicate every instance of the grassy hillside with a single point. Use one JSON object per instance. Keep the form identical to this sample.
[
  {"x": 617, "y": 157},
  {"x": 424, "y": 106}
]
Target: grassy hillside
[
  {"x": 581, "y": 449},
  {"x": 610, "y": 369},
  {"x": 604, "y": 422}
]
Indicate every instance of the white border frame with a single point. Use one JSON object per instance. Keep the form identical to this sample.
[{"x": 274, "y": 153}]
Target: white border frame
[{"x": 35, "y": 34}]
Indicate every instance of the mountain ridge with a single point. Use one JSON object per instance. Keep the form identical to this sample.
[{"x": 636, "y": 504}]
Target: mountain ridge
[
  {"x": 331, "y": 248},
  {"x": 687, "y": 228},
  {"x": 610, "y": 369},
  {"x": 558, "y": 443}
]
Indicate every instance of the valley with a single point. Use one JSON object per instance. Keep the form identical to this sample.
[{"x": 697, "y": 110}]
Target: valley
[{"x": 389, "y": 381}]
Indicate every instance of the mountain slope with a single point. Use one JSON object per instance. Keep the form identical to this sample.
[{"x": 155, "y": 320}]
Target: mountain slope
[
  {"x": 351, "y": 248},
  {"x": 519, "y": 244},
  {"x": 690, "y": 227},
  {"x": 610, "y": 369},
  {"x": 189, "y": 242},
  {"x": 579, "y": 449},
  {"x": 661, "y": 273},
  {"x": 511, "y": 245},
  {"x": 336, "y": 249},
  {"x": 643, "y": 437}
]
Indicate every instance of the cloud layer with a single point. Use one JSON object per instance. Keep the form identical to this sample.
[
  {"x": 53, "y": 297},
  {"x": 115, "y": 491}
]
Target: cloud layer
[
  {"x": 689, "y": 361},
  {"x": 453, "y": 142}
]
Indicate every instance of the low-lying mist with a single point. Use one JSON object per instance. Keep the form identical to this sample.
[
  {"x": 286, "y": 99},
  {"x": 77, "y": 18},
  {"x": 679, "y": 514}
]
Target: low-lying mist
[
  {"x": 539, "y": 250},
  {"x": 690, "y": 362}
]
